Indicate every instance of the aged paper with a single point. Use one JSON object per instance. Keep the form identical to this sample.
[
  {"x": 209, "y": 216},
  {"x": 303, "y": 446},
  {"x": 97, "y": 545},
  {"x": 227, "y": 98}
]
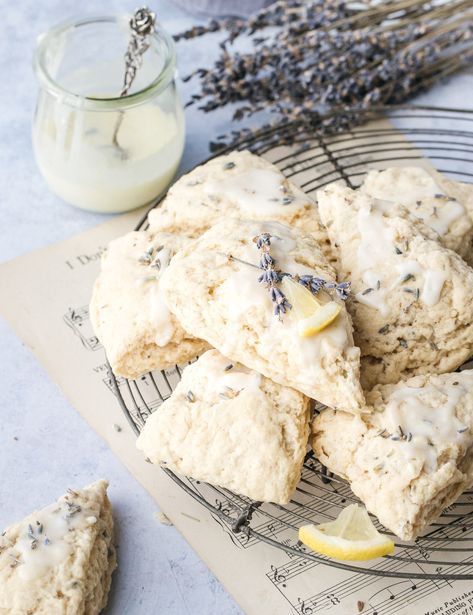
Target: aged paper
[{"x": 49, "y": 311}]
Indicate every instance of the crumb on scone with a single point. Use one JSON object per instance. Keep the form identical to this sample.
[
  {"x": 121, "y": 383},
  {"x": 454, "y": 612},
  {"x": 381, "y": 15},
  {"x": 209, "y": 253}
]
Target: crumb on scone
[
  {"x": 127, "y": 309},
  {"x": 411, "y": 308},
  {"x": 60, "y": 559},
  {"x": 212, "y": 286},
  {"x": 409, "y": 459},
  {"x": 230, "y": 426}
]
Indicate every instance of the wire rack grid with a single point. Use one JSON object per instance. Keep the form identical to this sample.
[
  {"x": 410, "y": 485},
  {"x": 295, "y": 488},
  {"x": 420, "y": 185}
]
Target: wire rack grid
[{"x": 312, "y": 157}]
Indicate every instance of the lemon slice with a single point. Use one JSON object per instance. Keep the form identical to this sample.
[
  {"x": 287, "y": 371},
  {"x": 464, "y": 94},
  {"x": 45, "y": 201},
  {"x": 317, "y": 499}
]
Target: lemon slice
[
  {"x": 352, "y": 536},
  {"x": 312, "y": 314},
  {"x": 325, "y": 315}
]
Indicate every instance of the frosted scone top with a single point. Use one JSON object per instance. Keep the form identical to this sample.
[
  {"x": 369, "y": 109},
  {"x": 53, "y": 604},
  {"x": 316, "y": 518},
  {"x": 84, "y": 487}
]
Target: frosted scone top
[
  {"x": 233, "y": 308},
  {"x": 444, "y": 206}
]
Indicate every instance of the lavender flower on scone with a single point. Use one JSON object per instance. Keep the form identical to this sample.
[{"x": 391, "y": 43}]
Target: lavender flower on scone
[
  {"x": 312, "y": 314},
  {"x": 271, "y": 276}
]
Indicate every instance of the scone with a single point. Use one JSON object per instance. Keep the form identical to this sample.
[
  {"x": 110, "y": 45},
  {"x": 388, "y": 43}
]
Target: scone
[
  {"x": 60, "y": 560},
  {"x": 411, "y": 308},
  {"x": 212, "y": 286},
  {"x": 444, "y": 206},
  {"x": 229, "y": 426},
  {"x": 412, "y": 456},
  {"x": 127, "y": 310},
  {"x": 238, "y": 185}
]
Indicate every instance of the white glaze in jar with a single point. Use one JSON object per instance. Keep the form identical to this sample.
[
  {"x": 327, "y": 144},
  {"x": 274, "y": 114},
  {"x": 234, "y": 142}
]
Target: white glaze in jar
[{"x": 80, "y": 68}]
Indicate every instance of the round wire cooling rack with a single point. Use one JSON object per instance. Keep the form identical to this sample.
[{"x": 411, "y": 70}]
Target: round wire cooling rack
[{"x": 313, "y": 156}]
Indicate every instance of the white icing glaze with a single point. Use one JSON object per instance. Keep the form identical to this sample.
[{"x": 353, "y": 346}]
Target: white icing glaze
[
  {"x": 406, "y": 267},
  {"x": 228, "y": 377},
  {"x": 75, "y": 154},
  {"x": 161, "y": 317},
  {"x": 236, "y": 379},
  {"x": 402, "y": 188},
  {"x": 433, "y": 284},
  {"x": 376, "y": 255},
  {"x": 159, "y": 313},
  {"x": 446, "y": 212},
  {"x": 432, "y": 423},
  {"x": 260, "y": 190},
  {"x": 51, "y": 547},
  {"x": 408, "y": 188},
  {"x": 375, "y": 240}
]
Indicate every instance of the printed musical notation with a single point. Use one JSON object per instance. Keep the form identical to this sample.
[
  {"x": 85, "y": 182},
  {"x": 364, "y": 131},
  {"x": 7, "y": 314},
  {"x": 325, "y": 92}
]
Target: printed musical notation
[
  {"x": 303, "y": 583},
  {"x": 378, "y": 594},
  {"x": 78, "y": 320}
]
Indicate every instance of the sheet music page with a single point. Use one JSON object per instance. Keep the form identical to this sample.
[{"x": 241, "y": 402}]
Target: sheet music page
[{"x": 49, "y": 311}]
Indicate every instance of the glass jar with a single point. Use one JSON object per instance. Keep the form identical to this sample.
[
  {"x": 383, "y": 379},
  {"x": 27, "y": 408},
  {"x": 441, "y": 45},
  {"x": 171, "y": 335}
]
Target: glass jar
[{"x": 96, "y": 150}]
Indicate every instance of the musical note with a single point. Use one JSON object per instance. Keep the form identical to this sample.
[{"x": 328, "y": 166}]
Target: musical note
[
  {"x": 278, "y": 576},
  {"x": 77, "y": 319},
  {"x": 304, "y": 609},
  {"x": 333, "y": 599}
]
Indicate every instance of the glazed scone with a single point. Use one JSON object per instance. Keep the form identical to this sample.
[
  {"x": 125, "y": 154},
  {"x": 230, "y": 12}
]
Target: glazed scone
[
  {"x": 411, "y": 308},
  {"x": 128, "y": 312},
  {"x": 212, "y": 287},
  {"x": 409, "y": 459},
  {"x": 60, "y": 560},
  {"x": 238, "y": 185},
  {"x": 230, "y": 426},
  {"x": 444, "y": 206}
]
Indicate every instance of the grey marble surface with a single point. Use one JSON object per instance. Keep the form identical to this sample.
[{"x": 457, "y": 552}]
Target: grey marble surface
[{"x": 45, "y": 446}]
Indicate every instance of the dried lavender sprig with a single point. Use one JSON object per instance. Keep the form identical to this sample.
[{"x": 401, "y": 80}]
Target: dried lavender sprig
[
  {"x": 271, "y": 276},
  {"x": 325, "y": 53}
]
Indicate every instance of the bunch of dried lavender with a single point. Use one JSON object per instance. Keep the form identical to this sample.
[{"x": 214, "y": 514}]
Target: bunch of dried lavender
[{"x": 314, "y": 55}]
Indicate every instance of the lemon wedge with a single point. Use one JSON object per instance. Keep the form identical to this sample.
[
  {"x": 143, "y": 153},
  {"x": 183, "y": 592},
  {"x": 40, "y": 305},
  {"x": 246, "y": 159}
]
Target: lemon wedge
[
  {"x": 312, "y": 314},
  {"x": 352, "y": 536}
]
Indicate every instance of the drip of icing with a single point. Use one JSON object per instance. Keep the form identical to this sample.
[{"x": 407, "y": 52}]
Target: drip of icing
[
  {"x": 433, "y": 284},
  {"x": 375, "y": 236},
  {"x": 432, "y": 424},
  {"x": 51, "y": 547},
  {"x": 412, "y": 183},
  {"x": 375, "y": 239},
  {"x": 161, "y": 318},
  {"x": 260, "y": 190},
  {"x": 445, "y": 213},
  {"x": 159, "y": 313},
  {"x": 406, "y": 267},
  {"x": 376, "y": 243},
  {"x": 237, "y": 379},
  {"x": 410, "y": 186}
]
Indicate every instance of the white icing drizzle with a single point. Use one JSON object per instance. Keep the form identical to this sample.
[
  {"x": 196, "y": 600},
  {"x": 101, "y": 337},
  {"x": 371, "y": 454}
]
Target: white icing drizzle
[
  {"x": 408, "y": 184},
  {"x": 428, "y": 419},
  {"x": 446, "y": 212},
  {"x": 410, "y": 187},
  {"x": 235, "y": 380},
  {"x": 47, "y": 532},
  {"x": 159, "y": 313},
  {"x": 377, "y": 253},
  {"x": 228, "y": 378},
  {"x": 260, "y": 190},
  {"x": 375, "y": 239},
  {"x": 433, "y": 284}
]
